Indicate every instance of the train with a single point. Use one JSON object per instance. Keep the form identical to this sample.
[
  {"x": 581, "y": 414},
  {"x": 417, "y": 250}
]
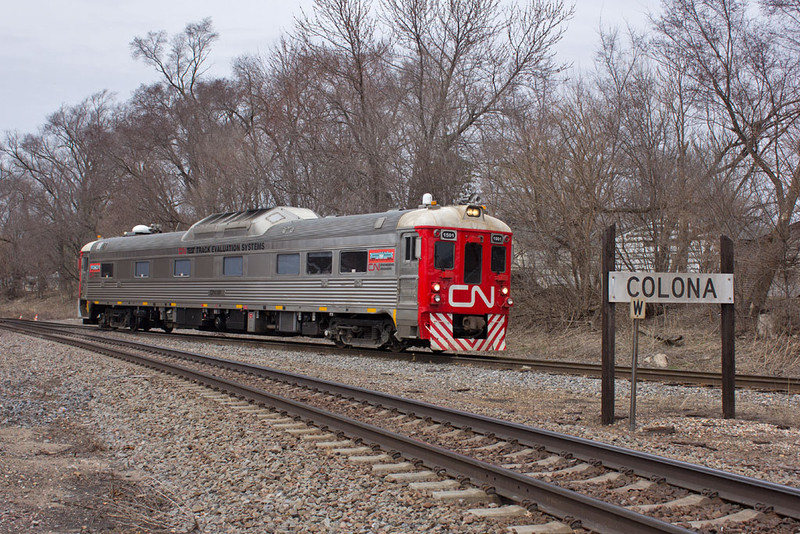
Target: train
[{"x": 434, "y": 276}]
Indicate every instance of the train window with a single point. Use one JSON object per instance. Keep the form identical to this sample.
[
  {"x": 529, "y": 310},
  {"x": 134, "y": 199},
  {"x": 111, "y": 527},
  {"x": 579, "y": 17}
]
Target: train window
[
  {"x": 106, "y": 270},
  {"x": 232, "y": 266},
  {"x": 498, "y": 259},
  {"x": 353, "y": 261},
  {"x": 412, "y": 248},
  {"x": 182, "y": 268},
  {"x": 288, "y": 263},
  {"x": 85, "y": 264},
  {"x": 319, "y": 263},
  {"x": 444, "y": 255},
  {"x": 472, "y": 263},
  {"x": 142, "y": 269}
]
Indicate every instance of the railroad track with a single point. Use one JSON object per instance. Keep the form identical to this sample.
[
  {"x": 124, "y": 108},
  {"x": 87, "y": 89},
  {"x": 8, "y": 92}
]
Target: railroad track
[
  {"x": 786, "y": 384},
  {"x": 583, "y": 483}
]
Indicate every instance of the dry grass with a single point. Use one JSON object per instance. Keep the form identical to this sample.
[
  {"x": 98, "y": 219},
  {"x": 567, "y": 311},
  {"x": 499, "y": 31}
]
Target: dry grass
[
  {"x": 52, "y": 307},
  {"x": 688, "y": 335}
]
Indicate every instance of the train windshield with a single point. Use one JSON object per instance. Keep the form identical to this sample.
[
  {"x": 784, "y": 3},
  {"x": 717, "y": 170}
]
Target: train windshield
[
  {"x": 498, "y": 259},
  {"x": 444, "y": 255},
  {"x": 472, "y": 263}
]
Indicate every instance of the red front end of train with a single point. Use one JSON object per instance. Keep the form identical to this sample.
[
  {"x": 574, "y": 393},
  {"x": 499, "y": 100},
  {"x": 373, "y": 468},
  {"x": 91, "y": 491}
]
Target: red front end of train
[{"x": 464, "y": 275}]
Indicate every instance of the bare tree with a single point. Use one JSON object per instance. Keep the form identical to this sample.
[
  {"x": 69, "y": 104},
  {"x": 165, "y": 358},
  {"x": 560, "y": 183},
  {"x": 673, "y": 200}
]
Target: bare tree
[
  {"x": 186, "y": 145},
  {"x": 181, "y": 59},
  {"x": 747, "y": 80},
  {"x": 360, "y": 92},
  {"x": 70, "y": 169},
  {"x": 459, "y": 59}
]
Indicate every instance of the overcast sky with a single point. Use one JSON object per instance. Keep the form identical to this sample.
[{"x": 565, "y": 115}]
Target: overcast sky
[{"x": 55, "y": 52}]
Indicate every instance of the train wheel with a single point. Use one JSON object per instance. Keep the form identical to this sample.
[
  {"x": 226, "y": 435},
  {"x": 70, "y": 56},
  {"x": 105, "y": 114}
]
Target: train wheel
[
  {"x": 395, "y": 345},
  {"x": 167, "y": 329}
]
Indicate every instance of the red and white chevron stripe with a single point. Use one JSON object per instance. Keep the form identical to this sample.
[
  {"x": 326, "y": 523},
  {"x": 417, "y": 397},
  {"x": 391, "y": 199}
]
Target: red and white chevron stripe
[{"x": 441, "y": 329}]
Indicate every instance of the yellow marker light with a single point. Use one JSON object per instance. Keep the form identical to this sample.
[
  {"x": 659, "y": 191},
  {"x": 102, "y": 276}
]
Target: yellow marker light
[
  {"x": 323, "y": 308},
  {"x": 238, "y": 306},
  {"x": 205, "y": 305},
  {"x": 144, "y": 304},
  {"x": 372, "y": 310},
  {"x": 119, "y": 302},
  {"x": 172, "y": 304},
  {"x": 278, "y": 307},
  {"x": 474, "y": 211}
]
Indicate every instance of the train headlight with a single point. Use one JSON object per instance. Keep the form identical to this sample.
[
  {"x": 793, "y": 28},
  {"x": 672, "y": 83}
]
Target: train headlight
[
  {"x": 436, "y": 298},
  {"x": 473, "y": 211},
  {"x": 436, "y": 287},
  {"x": 509, "y": 302},
  {"x": 504, "y": 290}
]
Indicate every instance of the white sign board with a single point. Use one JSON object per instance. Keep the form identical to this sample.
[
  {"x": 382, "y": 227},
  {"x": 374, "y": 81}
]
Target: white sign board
[{"x": 697, "y": 288}]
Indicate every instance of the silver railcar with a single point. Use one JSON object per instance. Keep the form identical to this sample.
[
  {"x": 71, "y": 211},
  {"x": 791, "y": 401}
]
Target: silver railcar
[{"x": 353, "y": 279}]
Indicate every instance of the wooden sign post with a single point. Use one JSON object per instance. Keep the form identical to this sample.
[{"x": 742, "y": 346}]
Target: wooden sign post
[{"x": 667, "y": 288}]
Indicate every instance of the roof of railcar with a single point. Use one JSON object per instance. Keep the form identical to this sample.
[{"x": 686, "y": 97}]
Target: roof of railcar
[{"x": 307, "y": 228}]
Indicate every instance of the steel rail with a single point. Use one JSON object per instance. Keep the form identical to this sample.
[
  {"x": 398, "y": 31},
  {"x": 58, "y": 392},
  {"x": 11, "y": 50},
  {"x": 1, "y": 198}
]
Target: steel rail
[
  {"x": 592, "y": 513},
  {"x": 752, "y": 492},
  {"x": 778, "y": 384}
]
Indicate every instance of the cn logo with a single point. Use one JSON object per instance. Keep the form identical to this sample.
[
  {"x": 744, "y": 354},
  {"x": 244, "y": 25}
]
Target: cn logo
[{"x": 472, "y": 293}]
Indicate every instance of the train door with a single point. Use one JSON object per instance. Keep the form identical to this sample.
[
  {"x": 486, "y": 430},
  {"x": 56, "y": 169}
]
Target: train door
[{"x": 407, "y": 285}]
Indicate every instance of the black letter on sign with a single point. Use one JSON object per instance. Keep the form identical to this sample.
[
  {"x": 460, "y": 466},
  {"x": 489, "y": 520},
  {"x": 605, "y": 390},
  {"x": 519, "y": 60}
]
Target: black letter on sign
[
  {"x": 675, "y": 292},
  {"x": 661, "y": 294},
  {"x": 631, "y": 279},
  {"x": 710, "y": 288},
  {"x": 648, "y": 293}
]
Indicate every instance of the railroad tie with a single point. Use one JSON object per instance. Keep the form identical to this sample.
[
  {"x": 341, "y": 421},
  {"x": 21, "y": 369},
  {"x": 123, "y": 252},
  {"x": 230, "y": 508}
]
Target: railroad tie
[
  {"x": 553, "y": 527},
  {"x": 399, "y": 467},
  {"x": 689, "y": 500},
  {"x": 289, "y": 426},
  {"x": 739, "y": 517},
  {"x": 493, "y": 446},
  {"x": 636, "y": 486},
  {"x": 413, "y": 476},
  {"x": 317, "y": 437},
  {"x": 577, "y": 468},
  {"x": 370, "y": 459},
  {"x": 269, "y": 416},
  {"x": 519, "y": 453},
  {"x": 335, "y": 444},
  {"x": 435, "y": 485},
  {"x": 471, "y": 495},
  {"x": 498, "y": 512},
  {"x": 352, "y": 451},
  {"x": 550, "y": 460},
  {"x": 303, "y": 430},
  {"x": 611, "y": 476},
  {"x": 415, "y": 422},
  {"x": 281, "y": 420}
]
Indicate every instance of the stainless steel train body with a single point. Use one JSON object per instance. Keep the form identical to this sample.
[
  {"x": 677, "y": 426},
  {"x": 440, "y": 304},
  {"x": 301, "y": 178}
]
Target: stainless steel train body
[{"x": 353, "y": 279}]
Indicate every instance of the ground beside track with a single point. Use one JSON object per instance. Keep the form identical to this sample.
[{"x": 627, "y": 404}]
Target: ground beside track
[{"x": 132, "y": 430}]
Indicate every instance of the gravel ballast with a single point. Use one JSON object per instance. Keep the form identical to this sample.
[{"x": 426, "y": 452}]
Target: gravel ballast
[{"x": 226, "y": 473}]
